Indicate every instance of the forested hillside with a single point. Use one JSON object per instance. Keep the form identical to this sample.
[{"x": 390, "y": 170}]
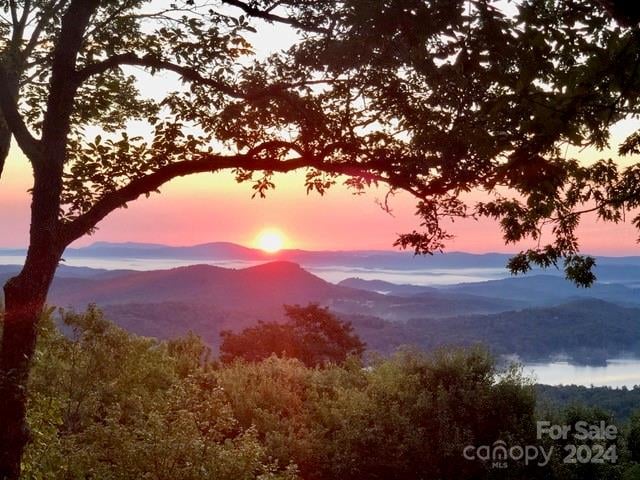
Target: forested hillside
[{"x": 126, "y": 407}]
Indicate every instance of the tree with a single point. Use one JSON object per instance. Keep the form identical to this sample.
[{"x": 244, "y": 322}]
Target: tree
[
  {"x": 141, "y": 416},
  {"x": 312, "y": 334},
  {"x": 431, "y": 97},
  {"x": 633, "y": 438},
  {"x": 408, "y": 416}
]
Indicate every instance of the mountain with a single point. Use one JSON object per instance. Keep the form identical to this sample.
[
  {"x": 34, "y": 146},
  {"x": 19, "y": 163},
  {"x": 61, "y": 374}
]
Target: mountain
[
  {"x": 67, "y": 271},
  {"x": 257, "y": 288},
  {"x": 608, "y": 269},
  {"x": 205, "y": 251},
  {"x": 588, "y": 331},
  {"x": 206, "y": 299},
  {"x": 622, "y": 270},
  {"x": 546, "y": 290},
  {"x": 254, "y": 287},
  {"x": 532, "y": 290},
  {"x": 534, "y": 317}
]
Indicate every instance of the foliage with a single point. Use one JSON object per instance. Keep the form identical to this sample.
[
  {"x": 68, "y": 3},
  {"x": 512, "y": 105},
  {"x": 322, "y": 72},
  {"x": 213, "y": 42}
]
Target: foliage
[
  {"x": 434, "y": 98},
  {"x": 127, "y": 407},
  {"x": 407, "y": 417},
  {"x": 608, "y": 469},
  {"x": 634, "y": 437},
  {"x": 312, "y": 334},
  {"x": 106, "y": 404},
  {"x": 621, "y": 403}
]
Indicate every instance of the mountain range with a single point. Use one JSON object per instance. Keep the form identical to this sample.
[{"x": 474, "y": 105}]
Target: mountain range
[
  {"x": 536, "y": 317},
  {"x": 609, "y": 269},
  {"x": 530, "y": 290}
]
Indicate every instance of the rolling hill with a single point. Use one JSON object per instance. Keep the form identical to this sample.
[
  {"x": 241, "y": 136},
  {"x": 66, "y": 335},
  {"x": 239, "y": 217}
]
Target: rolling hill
[
  {"x": 547, "y": 290},
  {"x": 535, "y": 317},
  {"x": 587, "y": 330},
  {"x": 255, "y": 289}
]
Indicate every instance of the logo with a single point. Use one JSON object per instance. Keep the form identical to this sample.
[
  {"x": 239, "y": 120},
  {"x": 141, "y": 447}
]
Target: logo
[
  {"x": 598, "y": 450},
  {"x": 499, "y": 454}
]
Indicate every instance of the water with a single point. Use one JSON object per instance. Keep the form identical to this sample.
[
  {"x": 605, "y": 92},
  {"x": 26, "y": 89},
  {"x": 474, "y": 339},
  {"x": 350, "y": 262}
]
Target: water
[
  {"x": 430, "y": 277},
  {"x": 141, "y": 264},
  {"x": 617, "y": 373}
]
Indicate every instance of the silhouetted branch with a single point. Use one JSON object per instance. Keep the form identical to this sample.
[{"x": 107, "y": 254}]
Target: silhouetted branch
[
  {"x": 151, "y": 182},
  {"x": 211, "y": 163},
  {"x": 271, "y": 17},
  {"x": 48, "y": 13},
  {"x": 151, "y": 61},
  {"x": 187, "y": 73},
  {"x": 16, "y": 125}
]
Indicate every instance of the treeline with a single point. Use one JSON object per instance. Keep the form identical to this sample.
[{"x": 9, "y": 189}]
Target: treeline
[
  {"x": 110, "y": 405},
  {"x": 622, "y": 403},
  {"x": 589, "y": 331}
]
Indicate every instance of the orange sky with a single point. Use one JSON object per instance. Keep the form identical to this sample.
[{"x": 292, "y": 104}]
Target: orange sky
[{"x": 206, "y": 207}]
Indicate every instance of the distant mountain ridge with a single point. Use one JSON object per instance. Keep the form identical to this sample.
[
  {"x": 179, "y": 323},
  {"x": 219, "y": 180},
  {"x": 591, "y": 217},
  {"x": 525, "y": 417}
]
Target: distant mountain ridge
[
  {"x": 609, "y": 269},
  {"x": 547, "y": 290},
  {"x": 265, "y": 286},
  {"x": 531, "y": 290},
  {"x": 205, "y": 251},
  {"x": 481, "y": 259},
  {"x": 534, "y": 316}
]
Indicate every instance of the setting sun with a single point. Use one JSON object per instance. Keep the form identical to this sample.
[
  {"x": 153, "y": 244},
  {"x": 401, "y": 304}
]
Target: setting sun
[{"x": 270, "y": 240}]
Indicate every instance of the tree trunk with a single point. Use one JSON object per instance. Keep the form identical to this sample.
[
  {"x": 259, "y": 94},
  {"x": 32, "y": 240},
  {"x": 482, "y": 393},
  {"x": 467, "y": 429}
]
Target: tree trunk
[
  {"x": 5, "y": 143},
  {"x": 25, "y": 296},
  {"x": 5, "y": 133}
]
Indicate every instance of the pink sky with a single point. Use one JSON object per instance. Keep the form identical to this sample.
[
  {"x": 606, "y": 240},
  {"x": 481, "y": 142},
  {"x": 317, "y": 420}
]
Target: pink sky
[{"x": 205, "y": 208}]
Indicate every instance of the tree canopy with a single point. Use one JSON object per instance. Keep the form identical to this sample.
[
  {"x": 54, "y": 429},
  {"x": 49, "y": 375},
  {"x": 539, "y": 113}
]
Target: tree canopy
[
  {"x": 311, "y": 334},
  {"x": 163, "y": 413},
  {"x": 435, "y": 98}
]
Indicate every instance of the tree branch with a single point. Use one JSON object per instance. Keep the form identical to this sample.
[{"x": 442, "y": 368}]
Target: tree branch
[
  {"x": 151, "y": 61},
  {"x": 270, "y": 17},
  {"x": 187, "y": 73},
  {"x": 210, "y": 163},
  {"x": 151, "y": 182},
  {"x": 57, "y": 118},
  {"x": 14, "y": 13},
  {"x": 49, "y": 11},
  {"x": 8, "y": 106},
  {"x": 26, "y": 10}
]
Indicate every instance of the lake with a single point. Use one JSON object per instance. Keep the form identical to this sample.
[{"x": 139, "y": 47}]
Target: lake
[{"x": 617, "y": 373}]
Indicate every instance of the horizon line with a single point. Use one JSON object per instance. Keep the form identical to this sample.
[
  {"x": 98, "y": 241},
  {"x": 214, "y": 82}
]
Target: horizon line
[{"x": 285, "y": 250}]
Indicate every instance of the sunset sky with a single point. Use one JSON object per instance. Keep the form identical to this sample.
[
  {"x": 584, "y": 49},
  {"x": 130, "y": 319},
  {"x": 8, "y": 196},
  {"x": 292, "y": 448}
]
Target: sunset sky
[{"x": 205, "y": 207}]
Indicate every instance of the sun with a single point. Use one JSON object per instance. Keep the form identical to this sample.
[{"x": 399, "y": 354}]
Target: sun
[{"x": 270, "y": 240}]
